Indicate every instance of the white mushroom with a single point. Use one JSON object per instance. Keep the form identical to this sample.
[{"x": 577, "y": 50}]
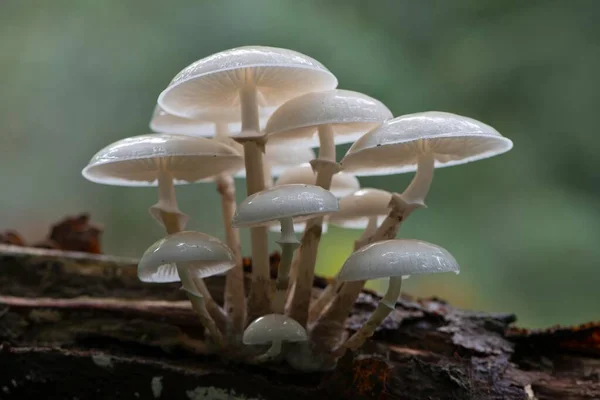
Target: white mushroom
[
  {"x": 393, "y": 259},
  {"x": 162, "y": 160},
  {"x": 364, "y": 209},
  {"x": 419, "y": 141},
  {"x": 302, "y": 173},
  {"x": 219, "y": 123},
  {"x": 273, "y": 329},
  {"x": 188, "y": 257},
  {"x": 250, "y": 77},
  {"x": 285, "y": 204},
  {"x": 339, "y": 116}
]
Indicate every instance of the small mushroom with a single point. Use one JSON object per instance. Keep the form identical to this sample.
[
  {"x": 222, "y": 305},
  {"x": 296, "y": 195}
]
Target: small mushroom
[
  {"x": 284, "y": 204},
  {"x": 393, "y": 259},
  {"x": 273, "y": 329},
  {"x": 251, "y": 77},
  {"x": 364, "y": 209},
  {"x": 161, "y": 160},
  {"x": 189, "y": 257},
  {"x": 339, "y": 116}
]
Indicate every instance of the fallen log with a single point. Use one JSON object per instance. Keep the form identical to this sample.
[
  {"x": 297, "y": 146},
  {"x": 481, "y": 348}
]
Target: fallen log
[{"x": 81, "y": 326}]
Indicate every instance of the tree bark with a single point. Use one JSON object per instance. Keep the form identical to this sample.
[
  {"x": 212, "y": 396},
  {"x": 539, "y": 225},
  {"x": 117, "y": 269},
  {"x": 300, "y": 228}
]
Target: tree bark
[{"x": 79, "y": 326}]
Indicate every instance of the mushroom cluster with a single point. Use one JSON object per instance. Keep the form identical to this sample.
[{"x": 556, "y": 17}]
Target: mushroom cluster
[{"x": 256, "y": 113}]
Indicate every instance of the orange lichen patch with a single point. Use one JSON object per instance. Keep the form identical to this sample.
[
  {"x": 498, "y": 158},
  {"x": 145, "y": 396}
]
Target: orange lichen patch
[
  {"x": 369, "y": 376},
  {"x": 585, "y": 337}
]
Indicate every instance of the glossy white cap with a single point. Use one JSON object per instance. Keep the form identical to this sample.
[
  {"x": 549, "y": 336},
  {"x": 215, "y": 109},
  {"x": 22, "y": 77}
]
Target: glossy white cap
[
  {"x": 396, "y": 258},
  {"x": 351, "y": 115},
  {"x": 203, "y": 254},
  {"x": 274, "y": 328},
  {"x": 393, "y": 147},
  {"x": 215, "y": 81},
  {"x": 342, "y": 183},
  {"x": 286, "y": 201},
  {"x": 358, "y": 207},
  {"x": 136, "y": 161}
]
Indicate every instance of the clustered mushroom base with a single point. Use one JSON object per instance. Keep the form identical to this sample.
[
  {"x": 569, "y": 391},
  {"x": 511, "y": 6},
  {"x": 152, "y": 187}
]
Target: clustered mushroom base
[{"x": 281, "y": 100}]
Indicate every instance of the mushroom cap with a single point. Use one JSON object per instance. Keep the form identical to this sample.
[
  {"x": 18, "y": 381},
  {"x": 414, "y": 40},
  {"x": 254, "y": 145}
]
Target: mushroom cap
[
  {"x": 342, "y": 183},
  {"x": 274, "y": 327},
  {"x": 215, "y": 81},
  {"x": 393, "y": 147},
  {"x": 205, "y": 255},
  {"x": 351, "y": 114},
  {"x": 286, "y": 201},
  {"x": 356, "y": 208},
  {"x": 136, "y": 161},
  {"x": 280, "y": 158},
  {"x": 396, "y": 258},
  {"x": 203, "y": 124}
]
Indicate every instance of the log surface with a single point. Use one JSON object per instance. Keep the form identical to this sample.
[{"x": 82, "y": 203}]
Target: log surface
[{"x": 80, "y": 326}]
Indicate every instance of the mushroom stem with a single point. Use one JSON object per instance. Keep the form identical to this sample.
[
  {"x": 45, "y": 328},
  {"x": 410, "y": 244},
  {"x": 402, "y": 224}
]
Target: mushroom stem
[
  {"x": 288, "y": 243},
  {"x": 267, "y": 173},
  {"x": 417, "y": 190},
  {"x": 199, "y": 304},
  {"x": 253, "y": 142},
  {"x": 326, "y": 143},
  {"x": 317, "y": 306},
  {"x": 166, "y": 210},
  {"x": 234, "y": 297},
  {"x": 270, "y": 354},
  {"x": 325, "y": 167},
  {"x": 370, "y": 229},
  {"x": 384, "y": 308},
  {"x": 249, "y": 107},
  {"x": 234, "y": 300},
  {"x": 331, "y": 322}
]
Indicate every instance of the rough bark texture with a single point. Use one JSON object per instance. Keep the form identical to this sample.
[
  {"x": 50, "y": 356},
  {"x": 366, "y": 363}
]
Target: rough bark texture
[{"x": 76, "y": 326}]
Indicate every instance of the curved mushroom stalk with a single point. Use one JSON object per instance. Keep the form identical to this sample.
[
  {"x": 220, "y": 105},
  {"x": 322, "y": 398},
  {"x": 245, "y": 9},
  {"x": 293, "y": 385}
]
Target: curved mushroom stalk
[
  {"x": 216, "y": 312},
  {"x": 234, "y": 297},
  {"x": 384, "y": 308},
  {"x": 166, "y": 211},
  {"x": 325, "y": 167},
  {"x": 317, "y": 306},
  {"x": 417, "y": 190},
  {"x": 199, "y": 305},
  {"x": 289, "y": 243}
]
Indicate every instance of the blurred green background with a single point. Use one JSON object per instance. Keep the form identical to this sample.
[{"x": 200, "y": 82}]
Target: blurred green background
[{"x": 525, "y": 226}]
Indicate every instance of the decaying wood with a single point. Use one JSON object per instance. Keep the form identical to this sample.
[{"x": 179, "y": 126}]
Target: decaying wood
[{"x": 74, "y": 325}]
